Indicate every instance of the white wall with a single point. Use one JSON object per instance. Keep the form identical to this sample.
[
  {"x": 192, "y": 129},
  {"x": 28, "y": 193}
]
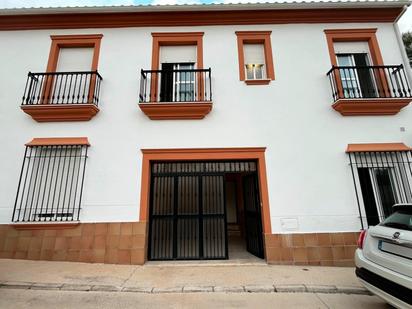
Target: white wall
[{"x": 308, "y": 174}]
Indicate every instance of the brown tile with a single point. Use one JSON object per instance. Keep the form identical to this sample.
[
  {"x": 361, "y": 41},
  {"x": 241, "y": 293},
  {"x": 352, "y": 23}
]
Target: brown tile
[
  {"x": 99, "y": 242},
  {"x": 73, "y": 255},
  {"x": 300, "y": 255},
  {"x": 48, "y": 243},
  {"x": 35, "y": 243},
  {"x": 20, "y": 255},
  {"x": 123, "y": 256},
  {"x": 98, "y": 255},
  {"x": 286, "y": 240},
  {"x": 46, "y": 254},
  {"x": 12, "y": 232},
  {"x": 138, "y": 241},
  {"x": 2, "y": 242},
  {"x": 344, "y": 263},
  {"x": 25, "y": 233},
  {"x": 6, "y": 255},
  {"x": 311, "y": 239},
  {"x": 338, "y": 253},
  {"x": 11, "y": 244},
  {"x": 112, "y": 241},
  {"x": 113, "y": 228},
  {"x": 273, "y": 240},
  {"x": 72, "y": 232},
  {"x": 50, "y": 233},
  {"x": 139, "y": 228},
  {"x": 327, "y": 263},
  {"x": 110, "y": 256},
  {"x": 301, "y": 263},
  {"x": 337, "y": 239},
  {"x": 138, "y": 257},
  {"x": 325, "y": 253},
  {"x": 38, "y": 233},
  {"x": 33, "y": 255},
  {"x": 100, "y": 229},
  {"x": 324, "y": 239},
  {"x": 86, "y": 256},
  {"x": 314, "y": 263},
  {"x": 87, "y": 242},
  {"x": 298, "y": 240},
  {"x": 61, "y": 243},
  {"x": 88, "y": 229},
  {"x": 59, "y": 255},
  {"x": 126, "y": 228},
  {"x": 286, "y": 254},
  {"x": 313, "y": 254},
  {"x": 350, "y": 239},
  {"x": 75, "y": 243},
  {"x": 23, "y": 243},
  {"x": 350, "y": 252},
  {"x": 273, "y": 254},
  {"x": 125, "y": 242}
]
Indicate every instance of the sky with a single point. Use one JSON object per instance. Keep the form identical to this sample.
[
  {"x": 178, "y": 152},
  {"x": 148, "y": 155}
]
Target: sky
[{"x": 405, "y": 23}]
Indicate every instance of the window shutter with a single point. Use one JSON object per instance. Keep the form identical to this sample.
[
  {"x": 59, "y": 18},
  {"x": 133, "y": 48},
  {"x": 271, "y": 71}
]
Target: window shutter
[
  {"x": 254, "y": 53},
  {"x": 75, "y": 59},
  {"x": 178, "y": 54},
  {"x": 351, "y": 48}
]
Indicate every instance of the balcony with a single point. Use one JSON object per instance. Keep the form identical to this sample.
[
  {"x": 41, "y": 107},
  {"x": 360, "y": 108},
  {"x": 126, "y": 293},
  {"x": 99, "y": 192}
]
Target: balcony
[
  {"x": 62, "y": 96},
  {"x": 176, "y": 94},
  {"x": 369, "y": 90}
]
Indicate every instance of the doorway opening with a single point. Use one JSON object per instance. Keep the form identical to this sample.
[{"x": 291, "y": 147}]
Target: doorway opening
[{"x": 204, "y": 210}]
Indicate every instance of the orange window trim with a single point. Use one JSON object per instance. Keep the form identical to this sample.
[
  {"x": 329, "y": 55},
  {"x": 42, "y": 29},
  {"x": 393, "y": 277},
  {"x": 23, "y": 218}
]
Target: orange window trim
[
  {"x": 253, "y": 153},
  {"x": 356, "y": 35},
  {"x": 377, "y": 147},
  {"x": 58, "y": 141},
  {"x": 175, "y": 39},
  {"x": 255, "y": 37},
  {"x": 72, "y": 41}
]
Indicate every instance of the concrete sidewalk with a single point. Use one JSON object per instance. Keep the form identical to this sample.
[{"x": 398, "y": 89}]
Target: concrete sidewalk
[{"x": 177, "y": 277}]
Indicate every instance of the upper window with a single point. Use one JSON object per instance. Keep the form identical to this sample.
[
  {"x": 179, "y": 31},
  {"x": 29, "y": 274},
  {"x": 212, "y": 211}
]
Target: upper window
[
  {"x": 255, "y": 57},
  {"x": 382, "y": 178},
  {"x": 51, "y": 180}
]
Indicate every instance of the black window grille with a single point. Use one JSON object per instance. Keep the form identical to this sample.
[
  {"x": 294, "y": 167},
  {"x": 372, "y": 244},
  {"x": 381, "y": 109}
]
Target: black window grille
[
  {"x": 381, "y": 180},
  {"x": 51, "y": 183}
]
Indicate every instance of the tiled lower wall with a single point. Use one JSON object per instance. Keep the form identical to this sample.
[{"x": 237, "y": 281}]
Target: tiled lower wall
[
  {"x": 125, "y": 243},
  {"x": 114, "y": 243},
  {"x": 326, "y": 249}
]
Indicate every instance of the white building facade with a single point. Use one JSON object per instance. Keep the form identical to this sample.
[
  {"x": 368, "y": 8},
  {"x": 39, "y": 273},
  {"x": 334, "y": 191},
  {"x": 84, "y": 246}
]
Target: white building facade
[{"x": 158, "y": 133}]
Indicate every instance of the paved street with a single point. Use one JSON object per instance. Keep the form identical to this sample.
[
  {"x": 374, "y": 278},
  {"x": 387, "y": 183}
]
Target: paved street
[
  {"x": 42, "y": 284},
  {"x": 33, "y": 299}
]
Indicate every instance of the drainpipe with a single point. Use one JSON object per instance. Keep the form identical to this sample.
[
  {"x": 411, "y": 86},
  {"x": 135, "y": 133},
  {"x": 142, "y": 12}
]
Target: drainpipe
[{"x": 402, "y": 47}]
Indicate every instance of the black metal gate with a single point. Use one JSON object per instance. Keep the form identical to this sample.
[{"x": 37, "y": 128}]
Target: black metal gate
[{"x": 188, "y": 209}]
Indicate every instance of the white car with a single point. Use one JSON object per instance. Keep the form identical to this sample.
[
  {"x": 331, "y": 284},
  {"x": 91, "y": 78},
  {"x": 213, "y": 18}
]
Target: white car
[{"x": 384, "y": 258}]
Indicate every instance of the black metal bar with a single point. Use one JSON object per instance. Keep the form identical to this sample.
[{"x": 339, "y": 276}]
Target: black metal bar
[
  {"x": 361, "y": 82},
  {"x": 62, "y": 88}
]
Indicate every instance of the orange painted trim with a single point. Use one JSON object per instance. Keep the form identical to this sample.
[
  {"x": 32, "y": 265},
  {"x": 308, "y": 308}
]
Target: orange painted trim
[
  {"x": 44, "y": 226},
  {"x": 61, "y": 112},
  {"x": 253, "y": 153},
  {"x": 257, "y": 81},
  {"x": 356, "y": 35},
  {"x": 255, "y": 37},
  {"x": 198, "y": 18},
  {"x": 168, "y": 111},
  {"x": 377, "y": 147},
  {"x": 176, "y": 39},
  {"x": 58, "y": 141},
  {"x": 372, "y": 107},
  {"x": 72, "y": 41}
]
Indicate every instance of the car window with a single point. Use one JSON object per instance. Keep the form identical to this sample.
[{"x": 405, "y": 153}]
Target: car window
[{"x": 401, "y": 219}]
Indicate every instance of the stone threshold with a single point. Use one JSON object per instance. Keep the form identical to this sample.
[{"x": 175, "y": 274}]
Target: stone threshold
[{"x": 296, "y": 288}]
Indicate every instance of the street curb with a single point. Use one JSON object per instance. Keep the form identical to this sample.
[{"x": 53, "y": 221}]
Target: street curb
[{"x": 286, "y": 288}]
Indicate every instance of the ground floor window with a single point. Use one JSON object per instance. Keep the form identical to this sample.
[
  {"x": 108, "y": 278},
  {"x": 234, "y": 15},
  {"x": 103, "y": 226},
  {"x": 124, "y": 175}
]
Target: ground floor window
[
  {"x": 381, "y": 179},
  {"x": 51, "y": 180}
]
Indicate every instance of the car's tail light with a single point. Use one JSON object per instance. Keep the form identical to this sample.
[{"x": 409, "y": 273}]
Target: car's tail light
[{"x": 361, "y": 239}]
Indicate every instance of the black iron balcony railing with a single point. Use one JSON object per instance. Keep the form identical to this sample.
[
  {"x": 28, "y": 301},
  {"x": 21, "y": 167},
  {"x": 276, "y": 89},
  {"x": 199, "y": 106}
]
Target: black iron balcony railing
[
  {"x": 62, "y": 88},
  {"x": 366, "y": 82},
  {"x": 191, "y": 85}
]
